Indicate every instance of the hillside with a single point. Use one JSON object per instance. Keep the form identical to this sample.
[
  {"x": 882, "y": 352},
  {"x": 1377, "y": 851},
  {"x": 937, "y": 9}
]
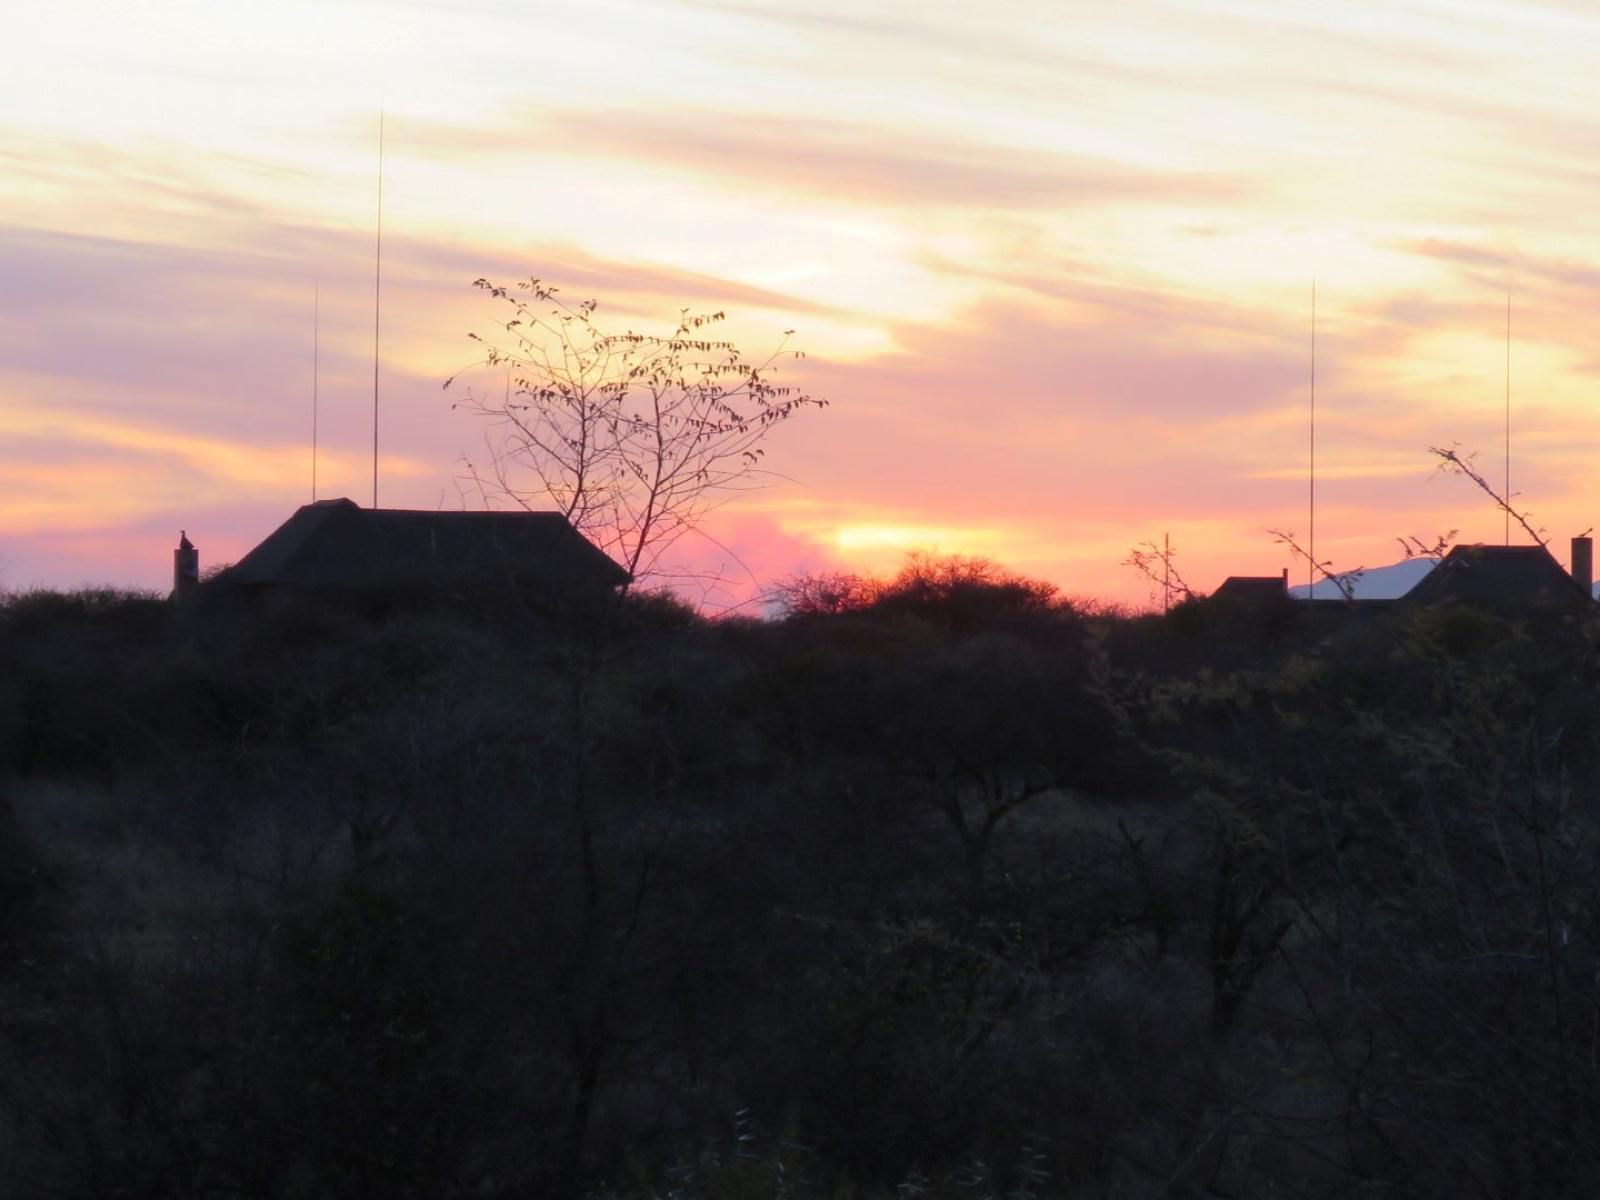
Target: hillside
[{"x": 1375, "y": 583}]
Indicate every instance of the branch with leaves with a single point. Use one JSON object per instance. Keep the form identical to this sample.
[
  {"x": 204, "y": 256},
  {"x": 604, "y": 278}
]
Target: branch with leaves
[
  {"x": 1156, "y": 564},
  {"x": 1345, "y": 581},
  {"x": 1415, "y": 547},
  {"x": 1453, "y": 461}
]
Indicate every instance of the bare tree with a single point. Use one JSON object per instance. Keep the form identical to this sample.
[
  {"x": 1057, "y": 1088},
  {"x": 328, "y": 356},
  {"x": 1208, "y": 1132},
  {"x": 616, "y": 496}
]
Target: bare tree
[
  {"x": 633, "y": 437},
  {"x": 1158, "y": 565}
]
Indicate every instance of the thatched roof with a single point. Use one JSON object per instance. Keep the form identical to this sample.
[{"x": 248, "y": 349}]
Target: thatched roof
[
  {"x": 335, "y": 544},
  {"x": 1253, "y": 589},
  {"x": 1499, "y": 577}
]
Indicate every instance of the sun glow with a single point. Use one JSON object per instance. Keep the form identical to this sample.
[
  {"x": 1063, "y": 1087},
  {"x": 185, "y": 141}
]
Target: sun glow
[{"x": 884, "y": 546}]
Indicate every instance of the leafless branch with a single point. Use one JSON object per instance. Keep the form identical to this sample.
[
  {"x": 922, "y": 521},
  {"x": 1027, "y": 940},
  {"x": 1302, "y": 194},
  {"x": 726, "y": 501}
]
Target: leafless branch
[
  {"x": 1345, "y": 581},
  {"x": 1156, "y": 564},
  {"x": 1415, "y": 547},
  {"x": 1452, "y": 460}
]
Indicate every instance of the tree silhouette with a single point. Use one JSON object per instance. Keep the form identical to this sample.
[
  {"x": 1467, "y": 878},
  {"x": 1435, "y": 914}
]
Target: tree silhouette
[
  {"x": 1158, "y": 565},
  {"x": 633, "y": 437}
]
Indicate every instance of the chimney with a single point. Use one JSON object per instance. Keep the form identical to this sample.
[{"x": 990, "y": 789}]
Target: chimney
[
  {"x": 185, "y": 567},
  {"x": 1583, "y": 563},
  {"x": 1286, "y": 581}
]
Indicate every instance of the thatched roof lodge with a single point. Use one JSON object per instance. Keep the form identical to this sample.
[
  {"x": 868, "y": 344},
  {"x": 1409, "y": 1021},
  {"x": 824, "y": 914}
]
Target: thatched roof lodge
[
  {"x": 338, "y": 546},
  {"x": 1507, "y": 577}
]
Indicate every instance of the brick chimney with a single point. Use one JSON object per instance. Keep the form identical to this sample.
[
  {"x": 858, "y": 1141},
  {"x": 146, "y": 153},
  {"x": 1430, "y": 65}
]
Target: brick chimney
[
  {"x": 185, "y": 567},
  {"x": 1583, "y": 563}
]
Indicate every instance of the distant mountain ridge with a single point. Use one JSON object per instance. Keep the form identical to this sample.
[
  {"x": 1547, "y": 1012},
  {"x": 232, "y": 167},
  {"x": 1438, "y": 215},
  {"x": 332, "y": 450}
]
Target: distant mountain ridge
[
  {"x": 1384, "y": 583},
  {"x": 1375, "y": 583}
]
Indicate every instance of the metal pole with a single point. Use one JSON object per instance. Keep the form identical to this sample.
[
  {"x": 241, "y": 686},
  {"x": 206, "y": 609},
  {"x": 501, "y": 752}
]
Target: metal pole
[
  {"x": 316, "y": 337},
  {"x": 377, "y": 297},
  {"x": 1166, "y": 572}
]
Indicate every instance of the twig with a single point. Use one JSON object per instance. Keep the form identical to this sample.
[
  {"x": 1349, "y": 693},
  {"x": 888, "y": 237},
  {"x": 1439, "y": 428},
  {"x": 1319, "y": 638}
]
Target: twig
[
  {"x": 1156, "y": 564},
  {"x": 1345, "y": 581},
  {"x": 1453, "y": 460}
]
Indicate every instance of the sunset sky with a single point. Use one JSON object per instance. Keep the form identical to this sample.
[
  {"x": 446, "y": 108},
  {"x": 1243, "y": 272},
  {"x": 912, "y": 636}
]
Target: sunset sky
[{"x": 1051, "y": 263}]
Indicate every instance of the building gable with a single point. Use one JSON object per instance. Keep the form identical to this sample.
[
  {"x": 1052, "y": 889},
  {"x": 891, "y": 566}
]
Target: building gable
[
  {"x": 1499, "y": 577},
  {"x": 337, "y": 545}
]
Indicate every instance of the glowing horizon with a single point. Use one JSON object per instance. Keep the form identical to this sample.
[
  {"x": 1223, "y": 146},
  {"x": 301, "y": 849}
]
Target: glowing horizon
[{"x": 1051, "y": 264}]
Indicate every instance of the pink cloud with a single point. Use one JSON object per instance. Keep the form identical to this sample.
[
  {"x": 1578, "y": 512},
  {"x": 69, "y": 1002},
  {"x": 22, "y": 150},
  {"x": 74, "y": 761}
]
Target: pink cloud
[{"x": 830, "y": 161}]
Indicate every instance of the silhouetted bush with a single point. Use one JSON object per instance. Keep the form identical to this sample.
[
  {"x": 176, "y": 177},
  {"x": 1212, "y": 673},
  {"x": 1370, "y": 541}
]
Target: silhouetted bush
[{"x": 957, "y": 594}]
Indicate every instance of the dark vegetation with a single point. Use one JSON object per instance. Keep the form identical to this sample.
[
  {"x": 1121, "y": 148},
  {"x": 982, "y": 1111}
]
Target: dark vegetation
[{"x": 942, "y": 887}]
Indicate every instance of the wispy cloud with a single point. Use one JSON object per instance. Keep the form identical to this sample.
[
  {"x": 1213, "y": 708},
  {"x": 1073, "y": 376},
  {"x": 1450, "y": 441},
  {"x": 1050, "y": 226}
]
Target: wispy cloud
[
  {"x": 581, "y": 274},
  {"x": 1499, "y": 268},
  {"x": 829, "y": 161}
]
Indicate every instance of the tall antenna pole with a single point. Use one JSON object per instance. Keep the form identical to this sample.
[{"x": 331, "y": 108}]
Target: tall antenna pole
[
  {"x": 1508, "y": 416},
  {"x": 1166, "y": 572},
  {"x": 1311, "y": 499},
  {"x": 316, "y": 337},
  {"x": 377, "y": 309}
]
